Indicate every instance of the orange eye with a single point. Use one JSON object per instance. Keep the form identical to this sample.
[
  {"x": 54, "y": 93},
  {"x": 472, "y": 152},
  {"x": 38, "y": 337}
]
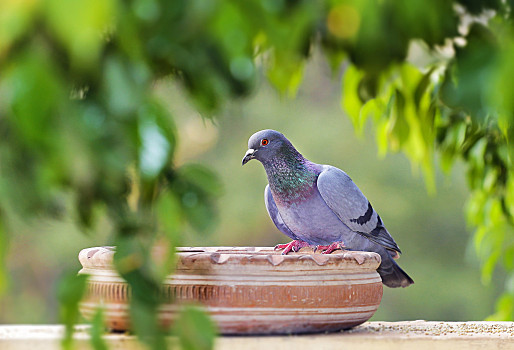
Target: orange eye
[{"x": 264, "y": 142}]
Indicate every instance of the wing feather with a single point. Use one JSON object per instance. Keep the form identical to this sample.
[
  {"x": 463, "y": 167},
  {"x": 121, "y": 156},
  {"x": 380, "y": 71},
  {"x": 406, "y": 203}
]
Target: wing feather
[{"x": 350, "y": 205}]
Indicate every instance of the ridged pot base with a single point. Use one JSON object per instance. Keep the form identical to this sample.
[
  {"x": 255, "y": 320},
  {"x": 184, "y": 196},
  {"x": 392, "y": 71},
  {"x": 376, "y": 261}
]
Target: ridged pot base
[{"x": 249, "y": 290}]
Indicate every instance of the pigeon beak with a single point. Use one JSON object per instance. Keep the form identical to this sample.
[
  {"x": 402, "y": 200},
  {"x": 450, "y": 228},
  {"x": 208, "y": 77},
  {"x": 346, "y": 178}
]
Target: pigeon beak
[{"x": 248, "y": 156}]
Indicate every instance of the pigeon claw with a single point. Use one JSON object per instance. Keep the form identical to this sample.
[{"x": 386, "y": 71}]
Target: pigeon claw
[
  {"x": 294, "y": 246},
  {"x": 327, "y": 249}
]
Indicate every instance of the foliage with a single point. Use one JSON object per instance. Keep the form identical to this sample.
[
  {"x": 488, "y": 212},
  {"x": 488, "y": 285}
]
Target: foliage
[
  {"x": 460, "y": 106},
  {"x": 195, "y": 331},
  {"x": 79, "y": 118},
  {"x": 71, "y": 290}
]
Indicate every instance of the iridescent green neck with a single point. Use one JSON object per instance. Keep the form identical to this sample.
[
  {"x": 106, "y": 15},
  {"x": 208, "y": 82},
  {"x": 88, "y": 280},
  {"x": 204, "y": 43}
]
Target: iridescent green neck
[{"x": 291, "y": 176}]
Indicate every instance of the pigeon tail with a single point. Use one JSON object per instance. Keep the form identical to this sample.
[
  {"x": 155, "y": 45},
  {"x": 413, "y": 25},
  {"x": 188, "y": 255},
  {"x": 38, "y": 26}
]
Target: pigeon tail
[{"x": 392, "y": 274}]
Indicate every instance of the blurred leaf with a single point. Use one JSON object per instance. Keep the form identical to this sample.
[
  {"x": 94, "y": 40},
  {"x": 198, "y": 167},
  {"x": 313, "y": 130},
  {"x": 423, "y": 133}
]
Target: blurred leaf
[
  {"x": 4, "y": 276},
  {"x": 123, "y": 84},
  {"x": 432, "y": 22},
  {"x": 477, "y": 153},
  {"x": 351, "y": 101},
  {"x": 468, "y": 79},
  {"x": 489, "y": 265},
  {"x": 203, "y": 178},
  {"x": 501, "y": 93},
  {"x": 480, "y": 235},
  {"x": 504, "y": 307},
  {"x": 154, "y": 154},
  {"x": 476, "y": 7},
  {"x": 335, "y": 59},
  {"x": 422, "y": 87},
  {"x": 16, "y": 17},
  {"x": 170, "y": 216},
  {"x": 194, "y": 329},
  {"x": 400, "y": 127},
  {"x": 70, "y": 292},
  {"x": 169, "y": 212},
  {"x": 491, "y": 176},
  {"x": 98, "y": 330},
  {"x": 133, "y": 262},
  {"x": 452, "y": 144},
  {"x": 382, "y": 136},
  {"x": 509, "y": 195},
  {"x": 34, "y": 96},
  {"x": 286, "y": 73},
  {"x": 196, "y": 187},
  {"x": 508, "y": 259},
  {"x": 164, "y": 121},
  {"x": 82, "y": 26},
  {"x": 144, "y": 319},
  {"x": 201, "y": 215}
]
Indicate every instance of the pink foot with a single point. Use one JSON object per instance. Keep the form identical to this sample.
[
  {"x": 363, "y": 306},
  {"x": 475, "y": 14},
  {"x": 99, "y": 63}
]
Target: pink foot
[
  {"x": 294, "y": 246},
  {"x": 327, "y": 249}
]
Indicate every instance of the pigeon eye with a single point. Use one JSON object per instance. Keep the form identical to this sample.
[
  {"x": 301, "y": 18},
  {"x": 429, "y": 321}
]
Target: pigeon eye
[{"x": 264, "y": 142}]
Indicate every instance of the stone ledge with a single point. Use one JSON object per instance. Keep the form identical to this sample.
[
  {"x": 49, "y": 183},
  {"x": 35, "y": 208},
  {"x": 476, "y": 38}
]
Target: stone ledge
[{"x": 419, "y": 335}]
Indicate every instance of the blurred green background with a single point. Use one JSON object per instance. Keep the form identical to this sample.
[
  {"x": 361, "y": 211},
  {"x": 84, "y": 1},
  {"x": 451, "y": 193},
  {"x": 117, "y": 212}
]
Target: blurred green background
[{"x": 430, "y": 230}]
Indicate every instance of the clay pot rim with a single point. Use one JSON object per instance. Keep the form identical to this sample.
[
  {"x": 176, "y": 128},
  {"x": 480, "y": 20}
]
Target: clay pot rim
[{"x": 102, "y": 257}]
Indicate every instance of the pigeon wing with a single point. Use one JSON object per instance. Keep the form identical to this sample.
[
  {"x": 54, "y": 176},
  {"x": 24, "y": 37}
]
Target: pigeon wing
[
  {"x": 271, "y": 206},
  {"x": 350, "y": 205}
]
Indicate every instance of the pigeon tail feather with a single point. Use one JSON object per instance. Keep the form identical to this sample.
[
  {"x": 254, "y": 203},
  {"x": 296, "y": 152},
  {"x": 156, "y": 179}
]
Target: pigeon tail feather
[{"x": 393, "y": 276}]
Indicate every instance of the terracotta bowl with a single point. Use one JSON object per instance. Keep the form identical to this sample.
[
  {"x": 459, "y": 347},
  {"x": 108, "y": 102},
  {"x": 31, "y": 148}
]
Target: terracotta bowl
[{"x": 249, "y": 290}]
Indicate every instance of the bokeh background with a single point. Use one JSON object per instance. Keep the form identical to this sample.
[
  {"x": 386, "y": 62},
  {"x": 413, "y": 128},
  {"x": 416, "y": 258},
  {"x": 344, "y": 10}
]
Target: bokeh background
[{"x": 430, "y": 229}]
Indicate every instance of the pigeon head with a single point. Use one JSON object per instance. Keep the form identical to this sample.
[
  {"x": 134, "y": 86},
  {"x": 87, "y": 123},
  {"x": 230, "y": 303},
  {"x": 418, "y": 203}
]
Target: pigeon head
[{"x": 267, "y": 144}]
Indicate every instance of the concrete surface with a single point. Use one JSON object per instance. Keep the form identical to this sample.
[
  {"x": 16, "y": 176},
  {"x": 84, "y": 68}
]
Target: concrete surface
[{"x": 417, "y": 335}]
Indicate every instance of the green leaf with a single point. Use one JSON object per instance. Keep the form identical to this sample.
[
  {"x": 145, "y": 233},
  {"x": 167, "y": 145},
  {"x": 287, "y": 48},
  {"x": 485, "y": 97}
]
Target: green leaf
[
  {"x": 171, "y": 218},
  {"x": 70, "y": 292},
  {"x": 509, "y": 194},
  {"x": 479, "y": 238},
  {"x": 144, "y": 318},
  {"x": 203, "y": 178},
  {"x": 194, "y": 329},
  {"x": 4, "y": 276},
  {"x": 422, "y": 87},
  {"x": 508, "y": 262},
  {"x": 469, "y": 79},
  {"x": 123, "y": 84},
  {"x": 98, "y": 330},
  {"x": 504, "y": 308},
  {"x": 489, "y": 182},
  {"x": 477, "y": 153},
  {"x": 351, "y": 102},
  {"x": 459, "y": 135},
  {"x": 17, "y": 18},
  {"x": 82, "y": 26},
  {"x": 286, "y": 72},
  {"x": 35, "y": 95},
  {"x": 196, "y": 187},
  {"x": 335, "y": 59},
  {"x": 201, "y": 214},
  {"x": 447, "y": 160},
  {"x": 133, "y": 262},
  {"x": 382, "y": 135},
  {"x": 169, "y": 213},
  {"x": 165, "y": 121},
  {"x": 489, "y": 266},
  {"x": 154, "y": 153},
  {"x": 401, "y": 130}
]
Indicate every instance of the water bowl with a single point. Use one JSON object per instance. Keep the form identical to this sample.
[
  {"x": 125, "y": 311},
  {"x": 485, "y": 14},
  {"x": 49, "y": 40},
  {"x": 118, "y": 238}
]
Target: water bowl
[{"x": 248, "y": 290}]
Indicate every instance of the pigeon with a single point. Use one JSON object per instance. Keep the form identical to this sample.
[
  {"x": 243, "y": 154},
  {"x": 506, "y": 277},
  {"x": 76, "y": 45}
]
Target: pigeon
[{"x": 320, "y": 206}]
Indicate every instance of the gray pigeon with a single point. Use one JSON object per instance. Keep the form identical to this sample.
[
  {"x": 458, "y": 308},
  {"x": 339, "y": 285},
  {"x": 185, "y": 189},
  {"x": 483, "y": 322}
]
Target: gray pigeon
[{"x": 319, "y": 205}]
